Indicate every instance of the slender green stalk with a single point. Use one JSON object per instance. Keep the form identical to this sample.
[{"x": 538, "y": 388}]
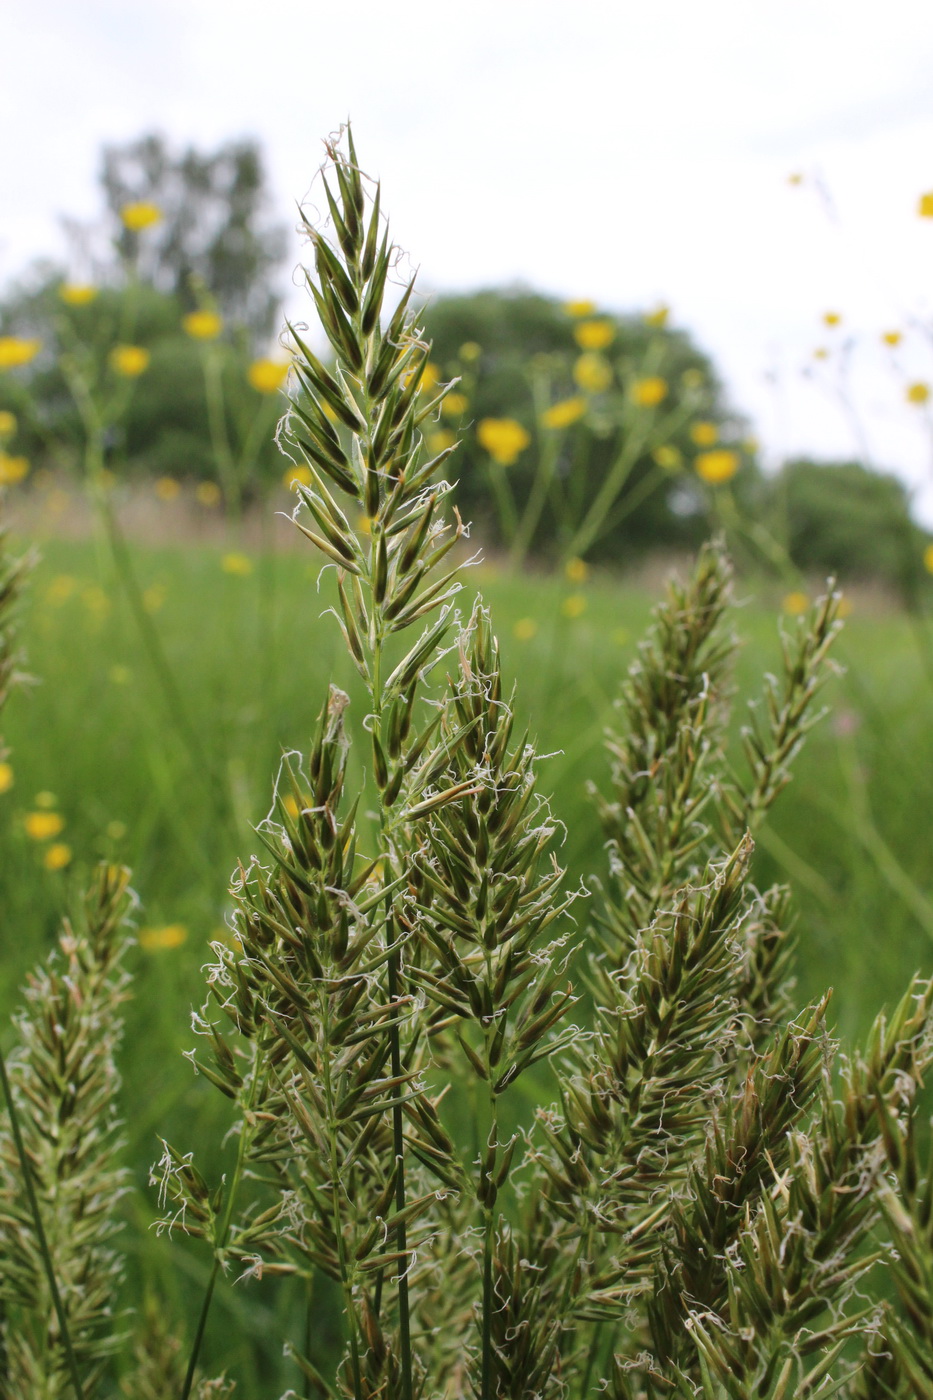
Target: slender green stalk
[
  {"x": 40, "y": 1231},
  {"x": 217, "y": 425},
  {"x": 545, "y": 469}
]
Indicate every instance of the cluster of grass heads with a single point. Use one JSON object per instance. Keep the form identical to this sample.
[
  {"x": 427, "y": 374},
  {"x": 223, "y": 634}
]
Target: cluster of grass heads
[{"x": 704, "y": 1209}]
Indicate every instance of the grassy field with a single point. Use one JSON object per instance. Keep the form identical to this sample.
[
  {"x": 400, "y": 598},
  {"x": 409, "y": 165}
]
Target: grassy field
[{"x": 95, "y": 740}]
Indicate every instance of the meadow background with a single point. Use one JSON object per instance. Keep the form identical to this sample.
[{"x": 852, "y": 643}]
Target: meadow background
[{"x": 175, "y": 624}]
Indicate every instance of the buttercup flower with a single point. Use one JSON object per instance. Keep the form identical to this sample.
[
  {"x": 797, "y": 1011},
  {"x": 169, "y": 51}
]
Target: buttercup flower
[
  {"x": 579, "y": 308},
  {"x": 928, "y": 558},
  {"x": 207, "y": 493},
  {"x": 170, "y": 936},
  {"x": 796, "y": 603},
  {"x": 503, "y": 439},
  {"x": 6, "y": 777},
  {"x": 470, "y": 351},
  {"x": 140, "y": 214},
  {"x": 576, "y": 570},
  {"x": 648, "y": 393},
  {"x": 167, "y": 488},
  {"x": 565, "y": 412},
  {"x": 42, "y": 826},
  {"x": 202, "y": 325},
  {"x": 296, "y": 476},
  {"x": 592, "y": 372},
  {"x": 454, "y": 405},
  {"x": 16, "y": 350},
  {"x": 57, "y": 856},
  {"x": 832, "y": 318},
  {"x": 717, "y": 466},
  {"x": 267, "y": 376},
  {"x": 440, "y": 440},
  {"x": 574, "y": 605},
  {"x": 238, "y": 564},
  {"x": 130, "y": 361},
  {"x": 7, "y": 423},
  {"x": 12, "y": 469},
  {"x": 594, "y": 335},
  {"x": 704, "y": 434},
  {"x": 77, "y": 293},
  {"x": 918, "y": 393},
  {"x": 925, "y": 205},
  {"x": 668, "y": 456},
  {"x": 524, "y": 629},
  {"x": 892, "y": 338}
]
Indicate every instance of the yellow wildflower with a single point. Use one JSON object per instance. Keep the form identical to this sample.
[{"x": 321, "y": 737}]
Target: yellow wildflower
[
  {"x": 692, "y": 378},
  {"x": 594, "y": 335},
  {"x": 202, "y": 325},
  {"x": 167, "y": 488},
  {"x": 42, "y": 826},
  {"x": 717, "y": 466},
  {"x": 6, "y": 777},
  {"x": 15, "y": 350},
  {"x": 648, "y": 393},
  {"x": 574, "y": 605},
  {"x": 7, "y": 423},
  {"x": 892, "y": 338},
  {"x": 296, "y": 476},
  {"x": 470, "y": 351},
  {"x": 240, "y": 565},
  {"x": 796, "y": 603},
  {"x": 60, "y": 589},
  {"x": 579, "y": 308},
  {"x": 668, "y": 456},
  {"x": 928, "y": 558},
  {"x": 439, "y": 441},
  {"x": 576, "y": 570},
  {"x": 918, "y": 393},
  {"x": 925, "y": 205},
  {"x": 430, "y": 376},
  {"x": 821, "y": 353},
  {"x": 207, "y": 493},
  {"x": 795, "y": 178},
  {"x": 524, "y": 629},
  {"x": 77, "y": 293},
  {"x": 129, "y": 360},
  {"x": 657, "y": 317},
  {"x": 503, "y": 439},
  {"x": 169, "y": 936},
  {"x": 454, "y": 405},
  {"x": 832, "y": 318},
  {"x": 592, "y": 372},
  {"x": 116, "y": 830},
  {"x": 704, "y": 434},
  {"x": 57, "y": 856},
  {"x": 266, "y": 376},
  {"x": 565, "y": 412},
  {"x": 12, "y": 469},
  {"x": 140, "y": 214}
]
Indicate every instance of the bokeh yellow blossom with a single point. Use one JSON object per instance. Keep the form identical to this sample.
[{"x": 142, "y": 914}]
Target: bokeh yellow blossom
[
  {"x": 579, "y": 308},
  {"x": 454, "y": 405},
  {"x": 717, "y": 466},
  {"x": 918, "y": 393},
  {"x": 207, "y": 493},
  {"x": 167, "y": 488},
  {"x": 592, "y": 372},
  {"x": 925, "y": 205},
  {"x": 60, "y": 589},
  {"x": 296, "y": 476},
  {"x": 13, "y": 469},
  {"x": 77, "y": 293},
  {"x": 564, "y": 412},
  {"x": 7, "y": 423},
  {"x": 795, "y": 178},
  {"x": 657, "y": 317},
  {"x": 503, "y": 438},
  {"x": 470, "y": 351},
  {"x": 594, "y": 335},
  {"x": 795, "y": 604},
  {"x": 821, "y": 353},
  {"x": 202, "y": 325},
  {"x": 577, "y": 570},
  {"x": 574, "y": 605},
  {"x": 57, "y": 856},
  {"x": 693, "y": 378},
  {"x": 648, "y": 393},
  {"x": 140, "y": 214},
  {"x": 16, "y": 350},
  {"x": 524, "y": 629},
  {"x": 832, "y": 318},
  {"x": 430, "y": 376},
  {"x": 240, "y": 565},
  {"x": 892, "y": 338},
  {"x": 439, "y": 441},
  {"x": 928, "y": 558},
  {"x": 129, "y": 360},
  {"x": 668, "y": 456},
  {"x": 6, "y": 777},
  {"x": 704, "y": 434},
  {"x": 42, "y": 825},
  {"x": 169, "y": 936},
  {"x": 266, "y": 376}
]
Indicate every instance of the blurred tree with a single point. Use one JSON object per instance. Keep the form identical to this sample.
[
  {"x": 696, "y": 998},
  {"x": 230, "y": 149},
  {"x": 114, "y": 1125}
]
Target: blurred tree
[
  {"x": 840, "y": 518},
  {"x": 499, "y": 339}
]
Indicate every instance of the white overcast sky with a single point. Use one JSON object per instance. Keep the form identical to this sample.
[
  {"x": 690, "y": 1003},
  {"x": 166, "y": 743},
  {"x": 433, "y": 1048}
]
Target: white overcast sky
[{"x": 632, "y": 153}]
